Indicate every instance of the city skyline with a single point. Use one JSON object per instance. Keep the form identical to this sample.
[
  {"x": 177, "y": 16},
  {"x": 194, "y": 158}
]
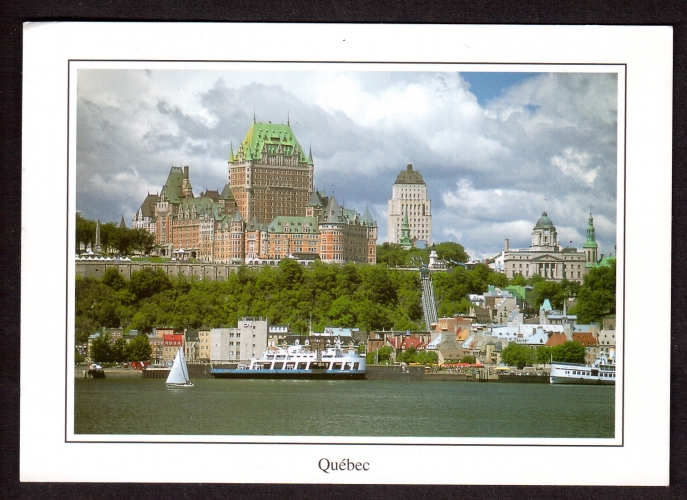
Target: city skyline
[{"x": 495, "y": 149}]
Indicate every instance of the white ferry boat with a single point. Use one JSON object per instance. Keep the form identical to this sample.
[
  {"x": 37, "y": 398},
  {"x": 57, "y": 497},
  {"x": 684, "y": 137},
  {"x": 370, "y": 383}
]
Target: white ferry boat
[
  {"x": 298, "y": 361},
  {"x": 602, "y": 372}
]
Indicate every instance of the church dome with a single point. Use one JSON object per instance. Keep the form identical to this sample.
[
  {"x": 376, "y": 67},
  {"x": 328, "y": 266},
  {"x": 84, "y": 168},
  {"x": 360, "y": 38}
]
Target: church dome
[{"x": 544, "y": 221}]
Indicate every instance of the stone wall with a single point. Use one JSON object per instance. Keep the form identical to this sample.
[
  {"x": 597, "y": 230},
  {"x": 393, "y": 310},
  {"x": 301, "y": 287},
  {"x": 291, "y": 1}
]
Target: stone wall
[{"x": 203, "y": 271}]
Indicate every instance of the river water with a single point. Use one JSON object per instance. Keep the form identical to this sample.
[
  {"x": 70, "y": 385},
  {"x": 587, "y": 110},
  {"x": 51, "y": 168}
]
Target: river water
[{"x": 343, "y": 408}]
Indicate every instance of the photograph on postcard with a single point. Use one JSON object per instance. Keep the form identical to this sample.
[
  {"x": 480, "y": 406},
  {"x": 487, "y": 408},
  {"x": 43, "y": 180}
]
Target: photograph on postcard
[{"x": 398, "y": 253}]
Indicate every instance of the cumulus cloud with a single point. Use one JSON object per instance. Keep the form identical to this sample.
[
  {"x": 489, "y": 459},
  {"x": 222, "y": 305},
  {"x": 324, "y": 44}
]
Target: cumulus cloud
[
  {"x": 575, "y": 164},
  {"x": 547, "y": 143}
]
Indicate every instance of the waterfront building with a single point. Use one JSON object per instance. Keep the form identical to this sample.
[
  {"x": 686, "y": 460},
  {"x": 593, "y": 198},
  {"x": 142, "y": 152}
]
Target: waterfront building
[
  {"x": 170, "y": 346},
  {"x": 590, "y": 343},
  {"x": 204, "y": 345},
  {"x": 191, "y": 345},
  {"x": 242, "y": 343},
  {"x": 156, "y": 346},
  {"x": 547, "y": 258},
  {"x": 409, "y": 204}
]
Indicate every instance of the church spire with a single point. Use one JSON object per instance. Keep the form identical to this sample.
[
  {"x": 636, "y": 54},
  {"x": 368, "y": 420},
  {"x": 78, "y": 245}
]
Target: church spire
[
  {"x": 405, "y": 240},
  {"x": 590, "y": 246}
]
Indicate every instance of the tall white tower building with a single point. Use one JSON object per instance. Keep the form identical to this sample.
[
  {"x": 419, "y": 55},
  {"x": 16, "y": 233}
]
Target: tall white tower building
[{"x": 409, "y": 196}]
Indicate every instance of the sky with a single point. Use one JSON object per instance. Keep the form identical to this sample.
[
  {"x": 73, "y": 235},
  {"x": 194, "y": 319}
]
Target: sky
[{"x": 495, "y": 149}]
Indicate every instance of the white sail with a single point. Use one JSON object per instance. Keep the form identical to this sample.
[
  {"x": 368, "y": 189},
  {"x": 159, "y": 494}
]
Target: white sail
[{"x": 178, "y": 375}]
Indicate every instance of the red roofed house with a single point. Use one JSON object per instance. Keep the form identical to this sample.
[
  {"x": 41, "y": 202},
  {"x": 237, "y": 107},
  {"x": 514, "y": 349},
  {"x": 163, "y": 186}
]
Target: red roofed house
[
  {"x": 556, "y": 339},
  {"x": 591, "y": 346},
  {"x": 412, "y": 341},
  {"x": 171, "y": 344}
]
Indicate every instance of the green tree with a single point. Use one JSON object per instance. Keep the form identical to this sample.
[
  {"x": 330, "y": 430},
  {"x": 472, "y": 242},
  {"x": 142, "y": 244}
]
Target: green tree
[
  {"x": 342, "y": 312},
  {"x": 518, "y": 355},
  {"x": 549, "y": 290},
  {"x": 452, "y": 253},
  {"x": 543, "y": 354},
  {"x": 78, "y": 357},
  {"x": 118, "y": 353},
  {"x": 569, "y": 352},
  {"x": 148, "y": 282},
  {"x": 142, "y": 241},
  {"x": 426, "y": 358},
  {"x": 384, "y": 354},
  {"x": 597, "y": 294},
  {"x": 572, "y": 288},
  {"x": 290, "y": 274},
  {"x": 85, "y": 232},
  {"x": 109, "y": 236},
  {"x": 468, "y": 359},
  {"x": 114, "y": 279},
  {"x": 518, "y": 280},
  {"x": 101, "y": 348},
  {"x": 408, "y": 356},
  {"x": 391, "y": 254},
  {"x": 377, "y": 285},
  {"x": 139, "y": 349}
]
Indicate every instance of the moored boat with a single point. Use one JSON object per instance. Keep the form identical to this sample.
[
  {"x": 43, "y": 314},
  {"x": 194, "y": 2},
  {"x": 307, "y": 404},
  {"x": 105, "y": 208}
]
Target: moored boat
[
  {"x": 298, "y": 361},
  {"x": 601, "y": 372},
  {"x": 96, "y": 371}
]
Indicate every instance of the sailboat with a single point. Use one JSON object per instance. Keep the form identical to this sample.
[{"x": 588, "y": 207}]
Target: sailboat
[{"x": 178, "y": 375}]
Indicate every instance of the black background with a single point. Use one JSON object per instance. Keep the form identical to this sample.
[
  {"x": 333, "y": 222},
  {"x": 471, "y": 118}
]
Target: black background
[{"x": 615, "y": 12}]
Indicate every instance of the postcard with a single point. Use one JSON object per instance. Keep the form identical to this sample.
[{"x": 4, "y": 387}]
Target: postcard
[{"x": 337, "y": 253}]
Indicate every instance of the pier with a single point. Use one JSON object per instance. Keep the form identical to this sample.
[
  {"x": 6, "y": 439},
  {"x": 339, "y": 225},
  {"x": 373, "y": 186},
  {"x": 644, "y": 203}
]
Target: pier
[{"x": 156, "y": 372}]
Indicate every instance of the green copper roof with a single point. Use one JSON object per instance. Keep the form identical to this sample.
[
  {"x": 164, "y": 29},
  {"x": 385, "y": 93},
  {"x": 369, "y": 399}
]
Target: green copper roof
[
  {"x": 148, "y": 206},
  {"x": 226, "y": 193},
  {"x": 318, "y": 199},
  {"x": 295, "y": 224},
  {"x": 367, "y": 218},
  {"x": 544, "y": 221},
  {"x": 409, "y": 176},
  {"x": 591, "y": 234},
  {"x": 518, "y": 290},
  {"x": 272, "y": 139},
  {"x": 171, "y": 191}
]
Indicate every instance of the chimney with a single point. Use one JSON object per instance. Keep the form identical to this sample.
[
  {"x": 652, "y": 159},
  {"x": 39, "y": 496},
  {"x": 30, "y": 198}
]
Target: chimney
[
  {"x": 186, "y": 171},
  {"x": 505, "y": 245},
  {"x": 410, "y": 167}
]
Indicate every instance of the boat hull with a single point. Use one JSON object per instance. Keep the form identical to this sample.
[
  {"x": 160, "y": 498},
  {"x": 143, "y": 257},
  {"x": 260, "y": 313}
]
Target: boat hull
[
  {"x": 180, "y": 386},
  {"x": 288, "y": 374},
  {"x": 581, "y": 381}
]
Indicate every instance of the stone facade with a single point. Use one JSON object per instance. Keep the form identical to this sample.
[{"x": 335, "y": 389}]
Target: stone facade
[
  {"x": 409, "y": 199},
  {"x": 547, "y": 258},
  {"x": 270, "y": 175},
  {"x": 242, "y": 343},
  {"x": 267, "y": 211}
]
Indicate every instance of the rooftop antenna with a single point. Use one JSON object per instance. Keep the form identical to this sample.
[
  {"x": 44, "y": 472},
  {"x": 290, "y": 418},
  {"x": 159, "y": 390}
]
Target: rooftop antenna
[{"x": 287, "y": 117}]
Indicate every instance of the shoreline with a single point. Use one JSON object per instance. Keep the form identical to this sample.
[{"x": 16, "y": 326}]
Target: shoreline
[{"x": 374, "y": 372}]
